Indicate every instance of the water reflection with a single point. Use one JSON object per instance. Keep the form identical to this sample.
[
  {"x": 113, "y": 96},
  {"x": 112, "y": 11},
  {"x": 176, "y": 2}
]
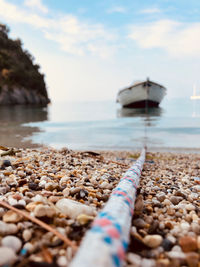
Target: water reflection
[
  {"x": 12, "y": 131},
  {"x": 148, "y": 119},
  {"x": 140, "y": 112}
]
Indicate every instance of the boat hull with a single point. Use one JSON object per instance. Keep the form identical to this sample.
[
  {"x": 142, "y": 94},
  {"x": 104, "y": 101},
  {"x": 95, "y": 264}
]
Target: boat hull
[
  {"x": 142, "y": 104},
  {"x": 142, "y": 95}
]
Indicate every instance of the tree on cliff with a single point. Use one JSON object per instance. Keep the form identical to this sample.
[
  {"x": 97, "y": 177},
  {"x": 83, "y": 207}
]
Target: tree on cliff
[{"x": 17, "y": 68}]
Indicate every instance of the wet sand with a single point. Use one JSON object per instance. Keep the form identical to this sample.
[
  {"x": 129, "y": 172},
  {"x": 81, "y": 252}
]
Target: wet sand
[{"x": 165, "y": 227}]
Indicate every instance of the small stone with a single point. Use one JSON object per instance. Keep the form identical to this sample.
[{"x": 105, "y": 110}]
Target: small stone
[
  {"x": 190, "y": 207},
  {"x": 167, "y": 244},
  {"x": 12, "y": 217},
  {"x": 139, "y": 204},
  {"x": 12, "y": 242},
  {"x": 62, "y": 261},
  {"x": 134, "y": 259},
  {"x": 8, "y": 256},
  {"x": 161, "y": 196},
  {"x": 21, "y": 174},
  {"x": 29, "y": 247},
  {"x": 192, "y": 259},
  {"x": 198, "y": 242},
  {"x": 167, "y": 202},
  {"x": 12, "y": 201},
  {"x": 170, "y": 211},
  {"x": 175, "y": 199},
  {"x": 152, "y": 241},
  {"x": 7, "y": 228},
  {"x": 66, "y": 192},
  {"x": 40, "y": 211},
  {"x": 176, "y": 255},
  {"x": 27, "y": 234},
  {"x": 196, "y": 188},
  {"x": 163, "y": 263},
  {"x": 84, "y": 219},
  {"x": 2, "y": 212},
  {"x": 31, "y": 206},
  {"x": 169, "y": 225},
  {"x": 140, "y": 223},
  {"x": 185, "y": 226},
  {"x": 104, "y": 185},
  {"x": 6, "y": 163},
  {"x": 73, "y": 208},
  {"x": 33, "y": 186},
  {"x": 148, "y": 262},
  {"x": 188, "y": 243},
  {"x": 44, "y": 210}
]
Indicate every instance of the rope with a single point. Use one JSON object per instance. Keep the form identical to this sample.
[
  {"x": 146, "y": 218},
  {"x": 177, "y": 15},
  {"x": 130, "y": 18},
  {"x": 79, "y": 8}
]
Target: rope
[{"x": 106, "y": 242}]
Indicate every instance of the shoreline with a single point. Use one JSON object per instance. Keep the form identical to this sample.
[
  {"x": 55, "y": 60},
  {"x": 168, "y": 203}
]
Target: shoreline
[{"x": 45, "y": 181}]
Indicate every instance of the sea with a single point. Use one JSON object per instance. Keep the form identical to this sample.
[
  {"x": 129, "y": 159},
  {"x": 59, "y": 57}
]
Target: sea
[{"x": 103, "y": 125}]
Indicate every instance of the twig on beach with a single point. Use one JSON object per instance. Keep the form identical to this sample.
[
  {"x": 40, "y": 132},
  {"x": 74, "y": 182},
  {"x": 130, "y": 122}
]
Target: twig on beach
[
  {"x": 4, "y": 148},
  {"x": 10, "y": 152},
  {"x": 67, "y": 241}
]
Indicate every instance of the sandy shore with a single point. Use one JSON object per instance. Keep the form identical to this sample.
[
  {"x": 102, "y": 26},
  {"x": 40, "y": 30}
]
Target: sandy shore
[{"x": 166, "y": 224}]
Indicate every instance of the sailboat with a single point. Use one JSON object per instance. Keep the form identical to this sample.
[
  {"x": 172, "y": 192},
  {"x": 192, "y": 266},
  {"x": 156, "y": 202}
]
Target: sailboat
[{"x": 195, "y": 96}]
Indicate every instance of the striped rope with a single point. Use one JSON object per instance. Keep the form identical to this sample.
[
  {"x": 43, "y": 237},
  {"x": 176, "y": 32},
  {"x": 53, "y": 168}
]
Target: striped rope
[{"x": 106, "y": 242}]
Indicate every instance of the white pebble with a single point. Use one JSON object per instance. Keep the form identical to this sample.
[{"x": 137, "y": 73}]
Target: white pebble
[
  {"x": 12, "y": 242},
  {"x": 27, "y": 234},
  {"x": 73, "y": 208},
  {"x": 189, "y": 207},
  {"x": 153, "y": 241},
  {"x": 134, "y": 259},
  {"x": 8, "y": 256}
]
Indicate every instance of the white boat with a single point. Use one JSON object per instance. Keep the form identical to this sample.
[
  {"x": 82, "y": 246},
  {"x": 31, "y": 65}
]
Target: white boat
[{"x": 142, "y": 95}]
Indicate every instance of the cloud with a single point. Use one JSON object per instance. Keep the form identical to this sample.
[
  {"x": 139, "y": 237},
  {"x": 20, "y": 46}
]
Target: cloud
[
  {"x": 36, "y": 4},
  {"x": 178, "y": 39},
  {"x": 116, "y": 9},
  {"x": 73, "y": 36},
  {"x": 150, "y": 10}
]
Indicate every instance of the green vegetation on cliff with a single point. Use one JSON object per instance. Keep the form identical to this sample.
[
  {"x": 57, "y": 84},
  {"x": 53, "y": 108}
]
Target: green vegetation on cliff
[{"x": 17, "y": 68}]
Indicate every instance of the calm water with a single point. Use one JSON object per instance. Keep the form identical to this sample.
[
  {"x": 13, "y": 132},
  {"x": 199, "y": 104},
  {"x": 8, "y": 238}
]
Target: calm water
[{"x": 103, "y": 125}]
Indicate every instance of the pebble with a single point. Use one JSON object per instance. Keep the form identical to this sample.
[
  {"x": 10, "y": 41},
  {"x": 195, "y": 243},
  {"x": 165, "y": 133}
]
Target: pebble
[
  {"x": 175, "y": 199},
  {"x": 73, "y": 208},
  {"x": 152, "y": 241},
  {"x": 62, "y": 261},
  {"x": 12, "y": 242},
  {"x": 6, "y": 163},
  {"x": 2, "y": 211},
  {"x": 8, "y": 256},
  {"x": 190, "y": 207},
  {"x": 27, "y": 234},
  {"x": 148, "y": 262},
  {"x": 192, "y": 259},
  {"x": 29, "y": 247},
  {"x": 188, "y": 243},
  {"x": 44, "y": 210},
  {"x": 161, "y": 196},
  {"x": 134, "y": 259},
  {"x": 84, "y": 219},
  {"x": 198, "y": 242},
  {"x": 176, "y": 255},
  {"x": 167, "y": 244},
  {"x": 140, "y": 223},
  {"x": 12, "y": 217}
]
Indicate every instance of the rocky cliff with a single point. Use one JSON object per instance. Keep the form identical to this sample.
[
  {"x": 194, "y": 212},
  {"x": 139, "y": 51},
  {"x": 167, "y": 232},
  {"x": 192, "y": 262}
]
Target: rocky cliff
[{"x": 20, "y": 79}]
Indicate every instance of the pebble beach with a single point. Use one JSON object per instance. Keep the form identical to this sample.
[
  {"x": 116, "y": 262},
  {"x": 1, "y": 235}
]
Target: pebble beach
[{"x": 65, "y": 189}]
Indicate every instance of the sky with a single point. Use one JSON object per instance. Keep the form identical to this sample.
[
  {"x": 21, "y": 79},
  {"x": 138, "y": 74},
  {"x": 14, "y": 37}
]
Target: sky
[{"x": 88, "y": 50}]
